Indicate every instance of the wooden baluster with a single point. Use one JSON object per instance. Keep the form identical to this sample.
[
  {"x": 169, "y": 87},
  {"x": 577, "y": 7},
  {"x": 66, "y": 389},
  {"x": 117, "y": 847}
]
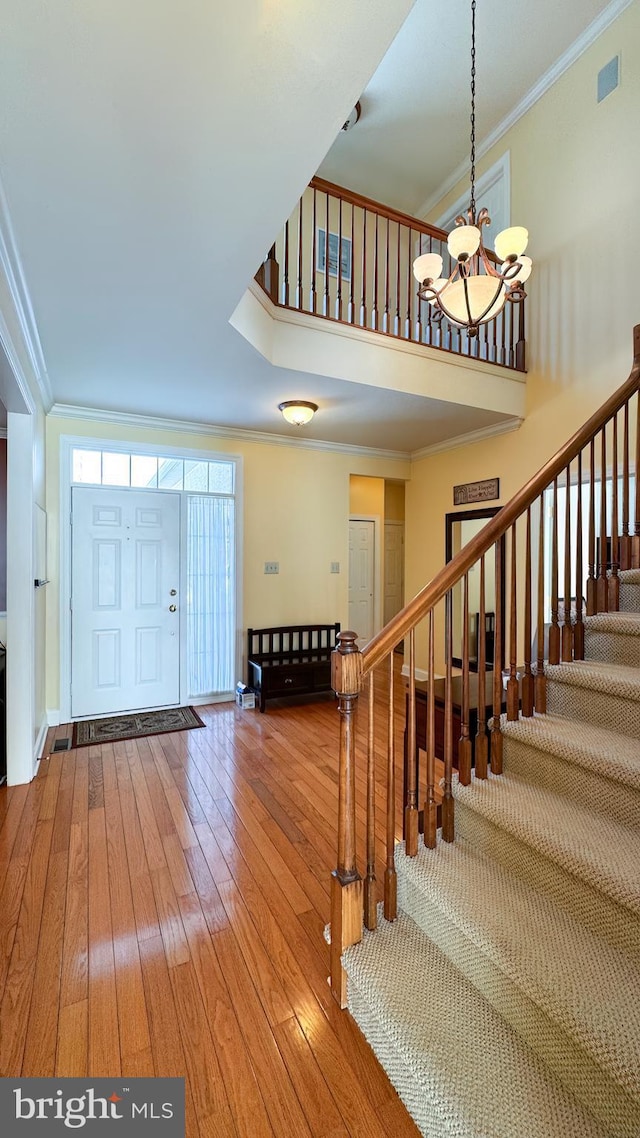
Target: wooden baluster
[
  {"x": 521, "y": 345},
  {"x": 527, "y": 679},
  {"x": 396, "y": 323},
  {"x": 602, "y": 587},
  {"x": 390, "y": 880},
  {"x": 285, "y": 276},
  {"x": 592, "y": 606},
  {"x": 496, "y": 730},
  {"x": 625, "y": 541},
  {"x": 503, "y": 329},
  {"x": 464, "y": 743},
  {"x": 267, "y": 275},
  {"x": 313, "y": 296},
  {"x": 614, "y": 579},
  {"x": 339, "y": 266},
  {"x": 554, "y": 631},
  {"x": 408, "y": 326},
  {"x": 299, "y": 289},
  {"x": 411, "y": 806},
  {"x": 430, "y": 807},
  {"x": 412, "y": 285},
  {"x": 494, "y": 346},
  {"x": 447, "y": 796},
  {"x": 481, "y": 741},
  {"x": 374, "y": 311},
  {"x": 363, "y": 303},
  {"x": 346, "y": 883},
  {"x": 370, "y": 911},
  {"x": 513, "y": 687},
  {"x": 567, "y": 631},
  {"x": 540, "y": 686},
  {"x": 385, "y": 319},
  {"x": 578, "y": 630},
  {"x": 351, "y": 308},
  {"x": 635, "y": 540},
  {"x": 327, "y": 299}
]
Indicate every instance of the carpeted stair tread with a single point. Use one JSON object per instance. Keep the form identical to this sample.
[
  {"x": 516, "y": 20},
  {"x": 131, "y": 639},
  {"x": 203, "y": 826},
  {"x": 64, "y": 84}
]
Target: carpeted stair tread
[
  {"x": 620, "y": 623},
  {"x": 460, "y": 1069},
  {"x": 551, "y": 957},
  {"x": 630, "y": 576},
  {"x": 584, "y": 744},
  {"x": 612, "y": 679},
  {"x": 606, "y": 855}
]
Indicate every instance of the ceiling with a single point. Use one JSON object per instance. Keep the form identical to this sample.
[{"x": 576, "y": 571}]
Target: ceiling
[
  {"x": 415, "y": 110},
  {"x": 150, "y": 151}
]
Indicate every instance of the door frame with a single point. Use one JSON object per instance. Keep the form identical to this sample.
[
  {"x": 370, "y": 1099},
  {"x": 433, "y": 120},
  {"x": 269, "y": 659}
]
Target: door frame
[
  {"x": 126, "y": 446},
  {"x": 378, "y": 598}
]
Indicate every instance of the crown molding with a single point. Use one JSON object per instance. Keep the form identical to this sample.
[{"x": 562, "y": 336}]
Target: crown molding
[
  {"x": 14, "y": 276},
  {"x": 546, "y": 81},
  {"x": 504, "y": 428},
  {"x": 13, "y": 360},
  {"x": 148, "y": 422}
]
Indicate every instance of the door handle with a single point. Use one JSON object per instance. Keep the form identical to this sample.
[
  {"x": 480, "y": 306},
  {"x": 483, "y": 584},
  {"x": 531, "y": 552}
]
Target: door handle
[{"x": 172, "y": 608}]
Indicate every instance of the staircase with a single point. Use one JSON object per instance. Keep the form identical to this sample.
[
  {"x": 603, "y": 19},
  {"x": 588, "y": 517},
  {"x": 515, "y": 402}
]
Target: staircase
[
  {"x": 505, "y": 999},
  {"x": 502, "y": 994}
]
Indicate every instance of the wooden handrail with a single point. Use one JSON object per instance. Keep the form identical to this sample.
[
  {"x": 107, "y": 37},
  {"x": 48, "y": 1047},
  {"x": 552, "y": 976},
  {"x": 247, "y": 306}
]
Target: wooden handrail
[
  {"x": 386, "y": 211},
  {"x": 450, "y": 574}
]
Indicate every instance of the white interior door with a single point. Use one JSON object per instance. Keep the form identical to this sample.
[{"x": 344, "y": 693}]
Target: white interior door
[
  {"x": 361, "y": 577},
  {"x": 393, "y": 569},
  {"x": 125, "y": 569}
]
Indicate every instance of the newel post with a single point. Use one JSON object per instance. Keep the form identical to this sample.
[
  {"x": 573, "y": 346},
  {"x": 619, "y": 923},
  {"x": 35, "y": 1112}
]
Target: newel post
[{"x": 346, "y": 883}]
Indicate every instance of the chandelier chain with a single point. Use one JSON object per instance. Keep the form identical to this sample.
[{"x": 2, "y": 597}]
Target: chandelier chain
[{"x": 473, "y": 108}]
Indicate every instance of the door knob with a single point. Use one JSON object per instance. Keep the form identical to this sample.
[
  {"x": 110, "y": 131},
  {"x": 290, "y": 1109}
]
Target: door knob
[{"x": 172, "y": 608}]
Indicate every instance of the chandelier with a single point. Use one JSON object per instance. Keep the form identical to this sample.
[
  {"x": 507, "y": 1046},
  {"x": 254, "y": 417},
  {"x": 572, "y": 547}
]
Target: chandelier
[{"x": 478, "y": 287}]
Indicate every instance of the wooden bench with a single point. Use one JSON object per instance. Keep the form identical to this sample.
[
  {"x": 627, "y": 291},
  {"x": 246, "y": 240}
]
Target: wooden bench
[{"x": 294, "y": 659}]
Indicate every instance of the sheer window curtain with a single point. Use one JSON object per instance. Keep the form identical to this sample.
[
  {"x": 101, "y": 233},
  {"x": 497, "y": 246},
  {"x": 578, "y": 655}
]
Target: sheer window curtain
[{"x": 210, "y": 594}]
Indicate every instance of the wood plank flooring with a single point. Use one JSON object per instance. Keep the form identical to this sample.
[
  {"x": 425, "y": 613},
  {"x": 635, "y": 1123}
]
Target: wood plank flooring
[{"x": 162, "y": 902}]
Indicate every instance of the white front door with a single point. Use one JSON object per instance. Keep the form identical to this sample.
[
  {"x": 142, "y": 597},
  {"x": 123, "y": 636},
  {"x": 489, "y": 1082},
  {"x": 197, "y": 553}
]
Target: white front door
[
  {"x": 361, "y": 578},
  {"x": 125, "y": 570}
]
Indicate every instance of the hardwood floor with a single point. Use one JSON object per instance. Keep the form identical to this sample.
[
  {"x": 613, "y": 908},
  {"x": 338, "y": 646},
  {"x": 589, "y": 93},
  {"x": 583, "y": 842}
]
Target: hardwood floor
[{"x": 162, "y": 903}]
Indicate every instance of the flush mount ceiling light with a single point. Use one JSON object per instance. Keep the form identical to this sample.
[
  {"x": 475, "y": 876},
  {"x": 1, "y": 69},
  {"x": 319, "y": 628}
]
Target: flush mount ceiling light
[
  {"x": 477, "y": 289},
  {"x": 298, "y": 411}
]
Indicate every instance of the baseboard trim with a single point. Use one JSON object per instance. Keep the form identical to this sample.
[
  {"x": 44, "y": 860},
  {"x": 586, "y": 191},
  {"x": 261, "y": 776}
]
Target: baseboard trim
[{"x": 53, "y": 716}]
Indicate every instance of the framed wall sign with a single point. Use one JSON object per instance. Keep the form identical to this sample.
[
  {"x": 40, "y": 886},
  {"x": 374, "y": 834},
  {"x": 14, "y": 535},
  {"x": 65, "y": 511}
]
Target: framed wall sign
[
  {"x": 485, "y": 491},
  {"x": 334, "y": 245}
]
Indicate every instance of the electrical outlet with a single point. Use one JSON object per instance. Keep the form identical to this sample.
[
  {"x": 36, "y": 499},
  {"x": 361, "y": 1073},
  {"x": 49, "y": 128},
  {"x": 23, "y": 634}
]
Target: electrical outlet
[
  {"x": 335, "y": 566},
  {"x": 271, "y": 567}
]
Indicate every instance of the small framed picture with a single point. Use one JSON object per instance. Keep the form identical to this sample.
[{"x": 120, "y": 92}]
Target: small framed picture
[{"x": 334, "y": 245}]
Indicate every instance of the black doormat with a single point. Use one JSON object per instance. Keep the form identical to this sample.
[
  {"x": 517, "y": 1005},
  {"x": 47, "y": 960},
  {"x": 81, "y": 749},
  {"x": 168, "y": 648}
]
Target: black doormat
[{"x": 136, "y": 724}]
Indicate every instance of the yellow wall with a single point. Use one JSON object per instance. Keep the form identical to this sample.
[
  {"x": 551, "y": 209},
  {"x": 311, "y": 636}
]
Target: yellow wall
[
  {"x": 394, "y": 494},
  {"x": 296, "y": 505},
  {"x": 366, "y": 496},
  {"x": 575, "y": 171}
]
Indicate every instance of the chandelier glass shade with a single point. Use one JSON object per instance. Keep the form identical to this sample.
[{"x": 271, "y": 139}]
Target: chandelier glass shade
[{"x": 479, "y": 284}]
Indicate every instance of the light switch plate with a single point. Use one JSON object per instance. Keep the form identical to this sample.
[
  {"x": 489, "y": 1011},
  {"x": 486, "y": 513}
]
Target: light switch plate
[{"x": 335, "y": 566}]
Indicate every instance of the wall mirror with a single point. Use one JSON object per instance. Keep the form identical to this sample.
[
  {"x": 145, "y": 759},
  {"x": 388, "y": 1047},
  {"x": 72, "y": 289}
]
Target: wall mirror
[{"x": 460, "y": 528}]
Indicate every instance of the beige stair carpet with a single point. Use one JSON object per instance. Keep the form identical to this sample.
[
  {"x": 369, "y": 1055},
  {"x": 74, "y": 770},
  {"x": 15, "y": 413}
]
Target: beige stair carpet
[{"x": 505, "y": 1001}]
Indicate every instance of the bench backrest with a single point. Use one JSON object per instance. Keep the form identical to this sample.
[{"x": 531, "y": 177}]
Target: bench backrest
[{"x": 292, "y": 638}]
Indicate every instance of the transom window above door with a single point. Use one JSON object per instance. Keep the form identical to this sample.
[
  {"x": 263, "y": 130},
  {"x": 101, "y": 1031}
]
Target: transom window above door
[{"x": 148, "y": 471}]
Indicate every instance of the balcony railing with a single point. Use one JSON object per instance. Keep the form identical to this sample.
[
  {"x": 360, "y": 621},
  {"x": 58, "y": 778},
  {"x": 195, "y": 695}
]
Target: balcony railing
[{"x": 367, "y": 281}]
